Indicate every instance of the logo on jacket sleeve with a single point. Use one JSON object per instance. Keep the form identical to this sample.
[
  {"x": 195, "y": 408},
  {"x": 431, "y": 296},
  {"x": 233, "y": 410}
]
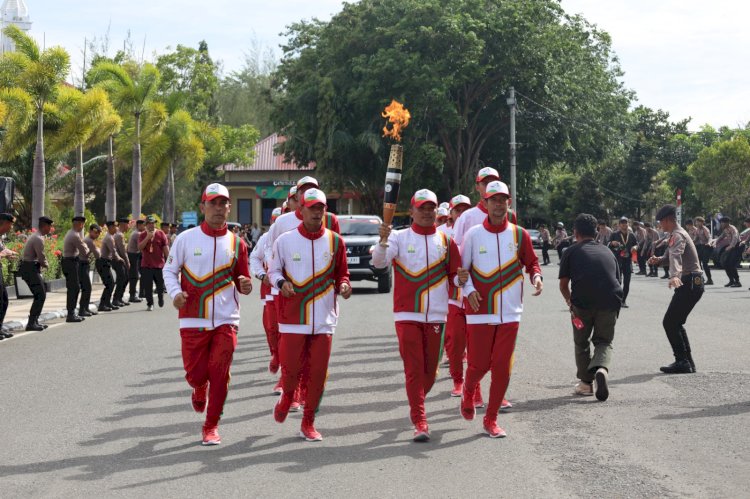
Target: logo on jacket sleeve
[{"x": 512, "y": 247}]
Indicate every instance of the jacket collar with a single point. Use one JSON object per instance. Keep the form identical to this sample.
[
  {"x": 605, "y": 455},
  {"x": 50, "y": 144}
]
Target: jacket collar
[
  {"x": 423, "y": 231},
  {"x": 495, "y": 229},
  {"x": 298, "y": 213},
  {"x": 481, "y": 206},
  {"x": 311, "y": 235},
  {"x": 213, "y": 232}
]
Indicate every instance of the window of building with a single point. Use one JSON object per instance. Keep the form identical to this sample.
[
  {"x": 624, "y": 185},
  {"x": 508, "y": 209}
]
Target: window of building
[
  {"x": 245, "y": 211},
  {"x": 267, "y": 206}
]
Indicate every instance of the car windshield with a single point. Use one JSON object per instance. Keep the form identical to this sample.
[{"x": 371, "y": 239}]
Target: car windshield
[
  {"x": 359, "y": 227},
  {"x": 533, "y": 233}
]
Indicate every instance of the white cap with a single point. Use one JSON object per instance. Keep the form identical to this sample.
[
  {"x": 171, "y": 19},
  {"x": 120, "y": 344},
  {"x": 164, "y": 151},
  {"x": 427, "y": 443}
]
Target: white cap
[
  {"x": 313, "y": 197},
  {"x": 458, "y": 200},
  {"x": 215, "y": 191},
  {"x": 487, "y": 172},
  {"x": 306, "y": 181},
  {"x": 423, "y": 196},
  {"x": 496, "y": 187}
]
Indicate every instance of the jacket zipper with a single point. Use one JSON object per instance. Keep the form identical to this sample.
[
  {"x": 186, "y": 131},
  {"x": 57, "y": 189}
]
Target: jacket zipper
[
  {"x": 500, "y": 264},
  {"x": 312, "y": 305},
  {"x": 427, "y": 260},
  {"x": 213, "y": 288}
]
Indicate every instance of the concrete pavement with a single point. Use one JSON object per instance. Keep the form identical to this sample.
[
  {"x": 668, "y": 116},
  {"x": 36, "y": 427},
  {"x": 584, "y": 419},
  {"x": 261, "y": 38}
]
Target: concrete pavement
[{"x": 101, "y": 409}]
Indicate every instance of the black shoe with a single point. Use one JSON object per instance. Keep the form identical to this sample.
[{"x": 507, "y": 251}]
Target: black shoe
[
  {"x": 161, "y": 300},
  {"x": 729, "y": 284},
  {"x": 625, "y": 305},
  {"x": 133, "y": 299},
  {"x": 34, "y": 326},
  {"x": 600, "y": 382},
  {"x": 74, "y": 318},
  {"x": 640, "y": 273},
  {"x": 709, "y": 282},
  {"x": 120, "y": 303},
  {"x": 678, "y": 367},
  {"x": 85, "y": 313},
  {"x": 736, "y": 285},
  {"x": 106, "y": 308},
  {"x": 664, "y": 277},
  {"x": 149, "y": 308}
]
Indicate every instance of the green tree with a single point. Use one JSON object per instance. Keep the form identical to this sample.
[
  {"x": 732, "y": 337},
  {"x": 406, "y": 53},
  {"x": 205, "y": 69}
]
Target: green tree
[
  {"x": 88, "y": 120},
  {"x": 39, "y": 73},
  {"x": 721, "y": 175},
  {"x": 177, "y": 149},
  {"x": 451, "y": 63},
  {"x": 131, "y": 87},
  {"x": 191, "y": 77}
]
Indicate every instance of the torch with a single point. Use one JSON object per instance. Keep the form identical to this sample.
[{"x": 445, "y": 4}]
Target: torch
[{"x": 398, "y": 117}]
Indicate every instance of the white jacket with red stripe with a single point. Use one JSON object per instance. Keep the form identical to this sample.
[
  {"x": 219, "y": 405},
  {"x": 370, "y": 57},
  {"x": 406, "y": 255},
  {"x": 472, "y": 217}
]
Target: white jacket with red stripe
[{"x": 206, "y": 264}]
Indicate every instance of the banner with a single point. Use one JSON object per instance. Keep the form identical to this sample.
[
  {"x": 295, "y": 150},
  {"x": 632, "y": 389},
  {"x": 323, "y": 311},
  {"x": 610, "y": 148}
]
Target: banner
[{"x": 272, "y": 191}]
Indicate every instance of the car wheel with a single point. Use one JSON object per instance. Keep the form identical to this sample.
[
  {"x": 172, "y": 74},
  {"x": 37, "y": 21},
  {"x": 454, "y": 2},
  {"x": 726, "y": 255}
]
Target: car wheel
[{"x": 384, "y": 282}]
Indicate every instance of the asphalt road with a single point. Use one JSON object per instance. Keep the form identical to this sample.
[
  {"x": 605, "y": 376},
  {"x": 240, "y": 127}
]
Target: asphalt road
[{"x": 101, "y": 409}]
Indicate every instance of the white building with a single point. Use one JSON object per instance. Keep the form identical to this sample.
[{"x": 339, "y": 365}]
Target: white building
[{"x": 13, "y": 12}]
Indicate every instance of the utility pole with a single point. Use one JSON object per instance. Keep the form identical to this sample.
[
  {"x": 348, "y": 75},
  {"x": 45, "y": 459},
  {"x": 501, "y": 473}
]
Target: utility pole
[{"x": 513, "y": 195}]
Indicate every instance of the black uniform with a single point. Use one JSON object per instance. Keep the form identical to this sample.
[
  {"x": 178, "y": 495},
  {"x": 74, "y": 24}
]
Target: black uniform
[{"x": 623, "y": 254}]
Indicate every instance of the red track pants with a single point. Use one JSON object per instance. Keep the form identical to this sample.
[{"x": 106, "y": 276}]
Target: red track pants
[
  {"x": 491, "y": 349},
  {"x": 419, "y": 344},
  {"x": 306, "y": 355},
  {"x": 271, "y": 326},
  {"x": 455, "y": 342},
  {"x": 207, "y": 357}
]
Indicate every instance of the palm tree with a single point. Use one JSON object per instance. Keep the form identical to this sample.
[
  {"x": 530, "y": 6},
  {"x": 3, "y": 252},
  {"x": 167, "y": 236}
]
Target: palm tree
[
  {"x": 88, "y": 120},
  {"x": 39, "y": 73},
  {"x": 131, "y": 88},
  {"x": 16, "y": 113},
  {"x": 178, "y": 148}
]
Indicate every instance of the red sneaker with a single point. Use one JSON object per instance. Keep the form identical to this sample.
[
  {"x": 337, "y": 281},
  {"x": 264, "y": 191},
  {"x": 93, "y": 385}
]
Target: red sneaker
[
  {"x": 211, "y": 435},
  {"x": 478, "y": 400},
  {"x": 421, "y": 432},
  {"x": 492, "y": 429},
  {"x": 281, "y": 409},
  {"x": 309, "y": 433},
  {"x": 467, "y": 405},
  {"x": 505, "y": 404},
  {"x": 458, "y": 389},
  {"x": 273, "y": 366},
  {"x": 278, "y": 389},
  {"x": 199, "y": 398}
]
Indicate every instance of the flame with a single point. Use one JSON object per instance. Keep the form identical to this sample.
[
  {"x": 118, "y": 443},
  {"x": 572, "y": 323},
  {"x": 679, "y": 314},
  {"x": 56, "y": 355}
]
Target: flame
[{"x": 398, "y": 117}]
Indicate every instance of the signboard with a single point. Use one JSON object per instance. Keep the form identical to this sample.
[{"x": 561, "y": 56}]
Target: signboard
[
  {"x": 189, "y": 218},
  {"x": 272, "y": 191}
]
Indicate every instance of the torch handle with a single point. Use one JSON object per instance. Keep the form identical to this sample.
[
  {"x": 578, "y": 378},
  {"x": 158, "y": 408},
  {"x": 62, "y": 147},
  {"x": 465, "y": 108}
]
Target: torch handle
[{"x": 392, "y": 185}]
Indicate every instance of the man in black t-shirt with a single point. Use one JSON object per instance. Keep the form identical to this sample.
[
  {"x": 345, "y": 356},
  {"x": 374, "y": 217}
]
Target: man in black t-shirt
[{"x": 593, "y": 273}]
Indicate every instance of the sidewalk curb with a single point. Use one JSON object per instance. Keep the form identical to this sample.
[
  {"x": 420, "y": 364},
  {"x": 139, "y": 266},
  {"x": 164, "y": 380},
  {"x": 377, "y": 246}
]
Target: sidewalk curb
[{"x": 17, "y": 326}]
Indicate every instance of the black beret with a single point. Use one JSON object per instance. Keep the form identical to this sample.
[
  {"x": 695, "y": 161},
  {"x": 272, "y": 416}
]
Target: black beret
[
  {"x": 140, "y": 221},
  {"x": 164, "y": 223},
  {"x": 624, "y": 219},
  {"x": 95, "y": 227},
  {"x": 123, "y": 220},
  {"x": 79, "y": 219},
  {"x": 668, "y": 210},
  {"x": 46, "y": 220},
  {"x": 725, "y": 220},
  {"x": 110, "y": 223},
  {"x": 7, "y": 217}
]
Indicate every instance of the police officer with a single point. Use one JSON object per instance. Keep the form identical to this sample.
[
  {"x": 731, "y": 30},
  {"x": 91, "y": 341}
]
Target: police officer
[
  {"x": 73, "y": 247},
  {"x": 121, "y": 265},
  {"x": 702, "y": 240},
  {"x": 732, "y": 255},
  {"x": 84, "y": 266},
  {"x": 622, "y": 243},
  {"x": 134, "y": 259},
  {"x": 546, "y": 238},
  {"x": 6, "y": 223},
  {"x": 32, "y": 264},
  {"x": 686, "y": 278},
  {"x": 104, "y": 267}
]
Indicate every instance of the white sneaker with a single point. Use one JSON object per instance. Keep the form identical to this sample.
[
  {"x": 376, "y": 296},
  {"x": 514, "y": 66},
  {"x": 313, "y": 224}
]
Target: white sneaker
[
  {"x": 584, "y": 389},
  {"x": 600, "y": 384}
]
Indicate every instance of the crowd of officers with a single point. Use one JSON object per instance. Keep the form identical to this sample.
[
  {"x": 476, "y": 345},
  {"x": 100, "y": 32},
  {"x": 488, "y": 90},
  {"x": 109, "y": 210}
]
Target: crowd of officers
[
  {"x": 639, "y": 241},
  {"x": 130, "y": 251}
]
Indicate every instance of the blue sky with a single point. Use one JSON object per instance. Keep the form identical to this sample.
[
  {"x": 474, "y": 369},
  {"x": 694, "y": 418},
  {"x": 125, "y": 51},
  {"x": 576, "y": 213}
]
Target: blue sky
[{"x": 688, "y": 57}]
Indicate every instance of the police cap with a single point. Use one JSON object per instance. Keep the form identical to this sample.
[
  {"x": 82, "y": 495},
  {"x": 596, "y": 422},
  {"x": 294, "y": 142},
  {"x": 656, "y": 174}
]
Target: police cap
[
  {"x": 725, "y": 220},
  {"x": 7, "y": 217},
  {"x": 46, "y": 220},
  {"x": 78, "y": 219},
  {"x": 95, "y": 227},
  {"x": 110, "y": 223},
  {"x": 124, "y": 220},
  {"x": 668, "y": 210}
]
